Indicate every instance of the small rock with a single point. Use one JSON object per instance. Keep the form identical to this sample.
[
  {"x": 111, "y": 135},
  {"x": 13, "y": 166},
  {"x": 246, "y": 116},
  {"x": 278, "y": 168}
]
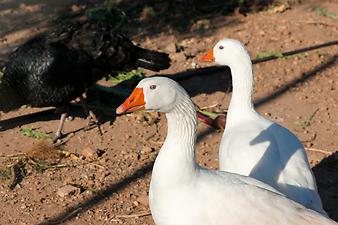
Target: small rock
[
  {"x": 70, "y": 118},
  {"x": 91, "y": 153},
  {"x": 133, "y": 156},
  {"x": 151, "y": 118},
  {"x": 308, "y": 145},
  {"x": 146, "y": 149},
  {"x": 68, "y": 180},
  {"x": 171, "y": 48},
  {"x": 280, "y": 8},
  {"x": 68, "y": 190},
  {"x": 193, "y": 65},
  {"x": 143, "y": 200},
  {"x": 179, "y": 57},
  {"x": 135, "y": 203},
  {"x": 202, "y": 24},
  {"x": 192, "y": 52},
  {"x": 75, "y": 8}
]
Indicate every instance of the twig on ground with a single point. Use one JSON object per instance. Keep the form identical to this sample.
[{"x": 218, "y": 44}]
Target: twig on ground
[
  {"x": 308, "y": 121},
  {"x": 209, "y": 106},
  {"x": 53, "y": 166},
  {"x": 13, "y": 156},
  {"x": 141, "y": 214},
  {"x": 318, "y": 150},
  {"x": 97, "y": 165},
  {"x": 116, "y": 220}
]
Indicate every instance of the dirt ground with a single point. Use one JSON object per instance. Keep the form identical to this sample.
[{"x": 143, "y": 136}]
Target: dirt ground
[{"x": 109, "y": 174}]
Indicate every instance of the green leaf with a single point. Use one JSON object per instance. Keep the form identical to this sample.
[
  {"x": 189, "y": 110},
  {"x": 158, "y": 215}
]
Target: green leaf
[
  {"x": 30, "y": 132},
  {"x": 269, "y": 54},
  {"x": 324, "y": 12},
  {"x": 124, "y": 76},
  {"x": 107, "y": 15}
]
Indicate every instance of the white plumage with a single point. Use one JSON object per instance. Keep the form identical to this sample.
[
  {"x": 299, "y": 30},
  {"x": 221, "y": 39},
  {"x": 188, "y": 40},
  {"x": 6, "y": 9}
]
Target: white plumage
[{"x": 254, "y": 146}]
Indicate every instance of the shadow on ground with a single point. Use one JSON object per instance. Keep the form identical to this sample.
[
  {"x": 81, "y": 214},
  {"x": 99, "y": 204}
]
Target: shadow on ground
[
  {"x": 50, "y": 114},
  {"x": 21, "y": 20},
  {"x": 326, "y": 173},
  {"x": 97, "y": 199}
]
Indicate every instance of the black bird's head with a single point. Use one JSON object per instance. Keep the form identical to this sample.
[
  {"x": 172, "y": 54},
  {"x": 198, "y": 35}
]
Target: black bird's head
[{"x": 114, "y": 52}]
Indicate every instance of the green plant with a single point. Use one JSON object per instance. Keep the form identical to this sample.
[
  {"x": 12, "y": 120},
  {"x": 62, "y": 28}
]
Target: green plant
[
  {"x": 5, "y": 173},
  {"x": 269, "y": 54},
  {"x": 124, "y": 76},
  {"x": 107, "y": 15},
  {"x": 326, "y": 13},
  {"x": 93, "y": 189},
  {"x": 149, "y": 10},
  {"x": 2, "y": 70},
  {"x": 307, "y": 122},
  {"x": 30, "y": 132},
  {"x": 299, "y": 55},
  {"x": 279, "y": 55}
]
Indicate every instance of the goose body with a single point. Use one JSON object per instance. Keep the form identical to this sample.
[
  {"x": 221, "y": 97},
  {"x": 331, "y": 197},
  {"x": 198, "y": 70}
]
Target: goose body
[
  {"x": 183, "y": 193},
  {"x": 254, "y": 146}
]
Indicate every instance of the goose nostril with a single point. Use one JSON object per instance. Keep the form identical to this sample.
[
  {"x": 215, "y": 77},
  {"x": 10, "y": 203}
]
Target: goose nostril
[{"x": 131, "y": 101}]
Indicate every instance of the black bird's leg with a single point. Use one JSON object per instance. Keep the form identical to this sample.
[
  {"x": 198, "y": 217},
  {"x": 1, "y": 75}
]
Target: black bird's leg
[
  {"x": 58, "y": 133},
  {"x": 91, "y": 115}
]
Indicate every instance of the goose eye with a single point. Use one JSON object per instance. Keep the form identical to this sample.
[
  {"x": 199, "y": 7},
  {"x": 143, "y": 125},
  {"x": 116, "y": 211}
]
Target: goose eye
[
  {"x": 152, "y": 87},
  {"x": 221, "y": 47}
]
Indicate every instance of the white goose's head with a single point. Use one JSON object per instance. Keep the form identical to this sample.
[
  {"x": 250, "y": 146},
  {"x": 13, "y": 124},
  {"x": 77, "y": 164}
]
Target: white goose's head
[
  {"x": 158, "y": 94},
  {"x": 226, "y": 52}
]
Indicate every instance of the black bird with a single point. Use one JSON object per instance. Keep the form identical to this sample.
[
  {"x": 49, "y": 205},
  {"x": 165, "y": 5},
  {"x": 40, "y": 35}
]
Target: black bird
[{"x": 54, "y": 69}]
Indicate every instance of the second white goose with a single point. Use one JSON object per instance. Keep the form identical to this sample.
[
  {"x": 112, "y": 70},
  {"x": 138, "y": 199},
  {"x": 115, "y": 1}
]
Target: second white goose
[{"x": 254, "y": 146}]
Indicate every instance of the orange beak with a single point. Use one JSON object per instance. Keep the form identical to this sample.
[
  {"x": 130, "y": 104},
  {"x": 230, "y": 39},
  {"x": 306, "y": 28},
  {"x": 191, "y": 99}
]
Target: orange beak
[
  {"x": 134, "y": 102},
  {"x": 208, "y": 57}
]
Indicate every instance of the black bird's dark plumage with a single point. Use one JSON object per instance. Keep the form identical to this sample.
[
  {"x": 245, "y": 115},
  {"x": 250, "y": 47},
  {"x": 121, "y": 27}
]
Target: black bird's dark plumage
[
  {"x": 53, "y": 69},
  {"x": 46, "y": 74}
]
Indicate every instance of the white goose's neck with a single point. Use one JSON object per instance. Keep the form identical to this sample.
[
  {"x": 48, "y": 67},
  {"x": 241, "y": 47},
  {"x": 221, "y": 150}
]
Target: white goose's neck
[
  {"x": 176, "y": 163},
  {"x": 242, "y": 81}
]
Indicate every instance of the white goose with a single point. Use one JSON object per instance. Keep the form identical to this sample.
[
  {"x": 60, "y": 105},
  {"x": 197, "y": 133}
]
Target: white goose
[
  {"x": 183, "y": 193},
  {"x": 254, "y": 146}
]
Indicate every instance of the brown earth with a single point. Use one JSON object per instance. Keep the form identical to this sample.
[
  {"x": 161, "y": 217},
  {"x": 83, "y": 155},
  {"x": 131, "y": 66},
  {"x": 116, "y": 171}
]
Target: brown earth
[{"x": 111, "y": 173}]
